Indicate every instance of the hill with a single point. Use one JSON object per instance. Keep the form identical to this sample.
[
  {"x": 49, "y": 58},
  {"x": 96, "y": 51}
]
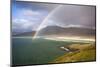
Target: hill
[
  {"x": 25, "y": 34},
  {"x": 70, "y": 31},
  {"x": 86, "y": 52}
]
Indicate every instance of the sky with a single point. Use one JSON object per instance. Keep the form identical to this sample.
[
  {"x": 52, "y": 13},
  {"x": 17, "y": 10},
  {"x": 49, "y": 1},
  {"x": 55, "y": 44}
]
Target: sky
[
  {"x": 73, "y": 16},
  {"x": 29, "y": 16}
]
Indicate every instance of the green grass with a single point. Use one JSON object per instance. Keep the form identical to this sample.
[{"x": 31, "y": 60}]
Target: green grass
[{"x": 86, "y": 52}]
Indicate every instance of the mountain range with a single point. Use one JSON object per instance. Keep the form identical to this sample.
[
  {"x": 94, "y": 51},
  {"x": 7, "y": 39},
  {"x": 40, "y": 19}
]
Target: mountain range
[
  {"x": 70, "y": 31},
  {"x": 61, "y": 31}
]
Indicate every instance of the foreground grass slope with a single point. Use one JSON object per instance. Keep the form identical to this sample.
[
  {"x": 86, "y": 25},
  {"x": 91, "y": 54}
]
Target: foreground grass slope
[{"x": 85, "y": 52}]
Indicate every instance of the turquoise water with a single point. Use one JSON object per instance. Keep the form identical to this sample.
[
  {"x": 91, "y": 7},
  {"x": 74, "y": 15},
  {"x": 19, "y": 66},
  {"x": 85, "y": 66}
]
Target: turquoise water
[{"x": 38, "y": 51}]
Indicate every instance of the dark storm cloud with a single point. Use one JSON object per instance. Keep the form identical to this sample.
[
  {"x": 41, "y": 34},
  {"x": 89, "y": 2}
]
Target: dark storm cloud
[{"x": 35, "y": 5}]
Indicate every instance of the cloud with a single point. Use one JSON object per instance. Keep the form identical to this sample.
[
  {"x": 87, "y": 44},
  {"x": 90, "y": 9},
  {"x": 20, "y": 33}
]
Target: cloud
[
  {"x": 27, "y": 20},
  {"x": 30, "y": 12},
  {"x": 27, "y": 16},
  {"x": 23, "y": 25},
  {"x": 73, "y": 15}
]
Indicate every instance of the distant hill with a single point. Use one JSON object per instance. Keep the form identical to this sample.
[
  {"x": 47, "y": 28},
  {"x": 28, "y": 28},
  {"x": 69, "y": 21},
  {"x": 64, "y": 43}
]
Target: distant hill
[
  {"x": 60, "y": 31},
  {"x": 70, "y": 31},
  {"x": 25, "y": 34}
]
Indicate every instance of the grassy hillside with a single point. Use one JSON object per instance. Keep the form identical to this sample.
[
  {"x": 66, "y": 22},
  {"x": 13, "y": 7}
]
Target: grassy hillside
[{"x": 85, "y": 52}]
